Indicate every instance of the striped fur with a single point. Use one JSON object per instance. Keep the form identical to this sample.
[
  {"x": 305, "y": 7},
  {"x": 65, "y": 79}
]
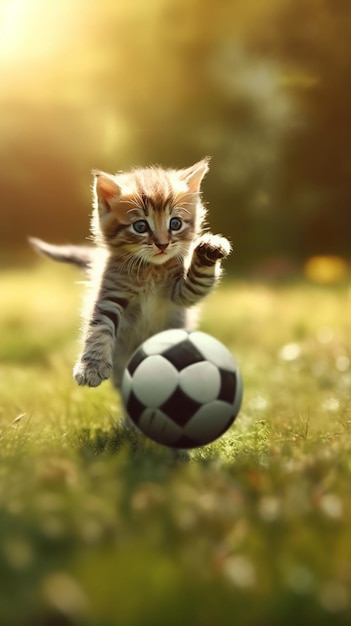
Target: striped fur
[{"x": 150, "y": 267}]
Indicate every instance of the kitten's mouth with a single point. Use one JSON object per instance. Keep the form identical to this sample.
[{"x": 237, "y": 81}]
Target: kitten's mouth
[{"x": 161, "y": 257}]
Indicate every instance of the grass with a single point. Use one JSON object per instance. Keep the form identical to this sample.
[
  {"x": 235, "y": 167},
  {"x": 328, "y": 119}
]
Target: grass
[{"x": 102, "y": 528}]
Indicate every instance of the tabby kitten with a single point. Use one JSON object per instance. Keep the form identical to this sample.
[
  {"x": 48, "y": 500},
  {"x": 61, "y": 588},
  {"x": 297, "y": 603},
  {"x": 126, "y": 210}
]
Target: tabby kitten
[{"x": 150, "y": 265}]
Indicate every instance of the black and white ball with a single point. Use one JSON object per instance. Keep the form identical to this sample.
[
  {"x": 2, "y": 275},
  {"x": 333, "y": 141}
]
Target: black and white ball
[{"x": 182, "y": 389}]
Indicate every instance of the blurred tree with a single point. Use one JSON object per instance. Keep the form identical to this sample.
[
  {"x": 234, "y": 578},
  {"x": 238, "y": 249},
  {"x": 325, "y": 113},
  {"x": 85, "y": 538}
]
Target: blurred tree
[{"x": 311, "y": 38}]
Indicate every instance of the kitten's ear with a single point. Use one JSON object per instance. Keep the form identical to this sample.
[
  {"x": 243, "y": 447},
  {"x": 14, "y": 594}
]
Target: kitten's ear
[
  {"x": 106, "y": 190},
  {"x": 193, "y": 175}
]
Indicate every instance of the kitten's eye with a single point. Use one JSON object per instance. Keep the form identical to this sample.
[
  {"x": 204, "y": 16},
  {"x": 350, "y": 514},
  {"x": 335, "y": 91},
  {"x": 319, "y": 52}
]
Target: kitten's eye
[
  {"x": 141, "y": 226},
  {"x": 175, "y": 223}
]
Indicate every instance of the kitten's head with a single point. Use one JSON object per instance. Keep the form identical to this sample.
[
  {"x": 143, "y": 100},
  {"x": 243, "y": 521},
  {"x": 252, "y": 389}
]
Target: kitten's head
[{"x": 151, "y": 214}]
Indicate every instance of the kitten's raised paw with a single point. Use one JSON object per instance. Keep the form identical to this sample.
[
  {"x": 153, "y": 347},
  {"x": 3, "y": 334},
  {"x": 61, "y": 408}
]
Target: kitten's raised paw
[
  {"x": 91, "y": 373},
  {"x": 210, "y": 248}
]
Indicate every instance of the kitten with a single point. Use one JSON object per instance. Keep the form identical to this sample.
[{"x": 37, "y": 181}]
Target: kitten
[{"x": 151, "y": 263}]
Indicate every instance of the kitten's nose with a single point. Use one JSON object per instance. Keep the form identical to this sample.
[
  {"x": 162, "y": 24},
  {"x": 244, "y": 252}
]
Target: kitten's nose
[{"x": 161, "y": 246}]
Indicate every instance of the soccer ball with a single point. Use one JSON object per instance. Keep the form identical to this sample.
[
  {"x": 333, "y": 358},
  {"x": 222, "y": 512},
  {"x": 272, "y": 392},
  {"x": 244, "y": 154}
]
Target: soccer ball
[{"x": 182, "y": 389}]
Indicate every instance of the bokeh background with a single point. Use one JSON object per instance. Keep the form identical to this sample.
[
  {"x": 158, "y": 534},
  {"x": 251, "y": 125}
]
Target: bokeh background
[{"x": 263, "y": 86}]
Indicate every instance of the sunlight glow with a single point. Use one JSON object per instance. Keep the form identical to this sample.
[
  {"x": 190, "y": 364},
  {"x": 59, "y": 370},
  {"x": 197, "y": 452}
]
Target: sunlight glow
[
  {"x": 10, "y": 26},
  {"x": 33, "y": 30}
]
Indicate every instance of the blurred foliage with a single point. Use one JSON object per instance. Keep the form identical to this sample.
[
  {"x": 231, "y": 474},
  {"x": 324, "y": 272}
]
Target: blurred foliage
[{"x": 262, "y": 86}]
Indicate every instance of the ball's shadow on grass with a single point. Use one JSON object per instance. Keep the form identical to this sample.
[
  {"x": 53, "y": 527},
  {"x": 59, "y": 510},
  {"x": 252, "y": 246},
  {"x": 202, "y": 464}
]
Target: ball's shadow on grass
[{"x": 93, "y": 442}]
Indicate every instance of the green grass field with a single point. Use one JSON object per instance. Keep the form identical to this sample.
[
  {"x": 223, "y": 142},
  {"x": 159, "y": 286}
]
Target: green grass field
[{"x": 102, "y": 528}]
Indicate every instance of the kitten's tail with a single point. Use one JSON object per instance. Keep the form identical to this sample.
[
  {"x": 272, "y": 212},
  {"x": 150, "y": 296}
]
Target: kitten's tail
[{"x": 82, "y": 256}]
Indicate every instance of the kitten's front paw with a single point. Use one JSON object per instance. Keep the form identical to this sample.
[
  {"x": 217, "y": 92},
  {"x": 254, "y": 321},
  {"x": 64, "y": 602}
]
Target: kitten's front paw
[
  {"x": 91, "y": 373},
  {"x": 210, "y": 248}
]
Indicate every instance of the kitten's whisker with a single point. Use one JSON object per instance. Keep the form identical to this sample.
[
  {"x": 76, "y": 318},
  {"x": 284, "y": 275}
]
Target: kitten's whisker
[
  {"x": 141, "y": 265},
  {"x": 139, "y": 201},
  {"x": 182, "y": 208},
  {"x": 136, "y": 201},
  {"x": 134, "y": 204}
]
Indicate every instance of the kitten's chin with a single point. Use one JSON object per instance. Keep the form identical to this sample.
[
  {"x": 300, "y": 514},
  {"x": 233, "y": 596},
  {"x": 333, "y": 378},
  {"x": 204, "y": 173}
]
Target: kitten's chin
[{"x": 160, "y": 258}]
